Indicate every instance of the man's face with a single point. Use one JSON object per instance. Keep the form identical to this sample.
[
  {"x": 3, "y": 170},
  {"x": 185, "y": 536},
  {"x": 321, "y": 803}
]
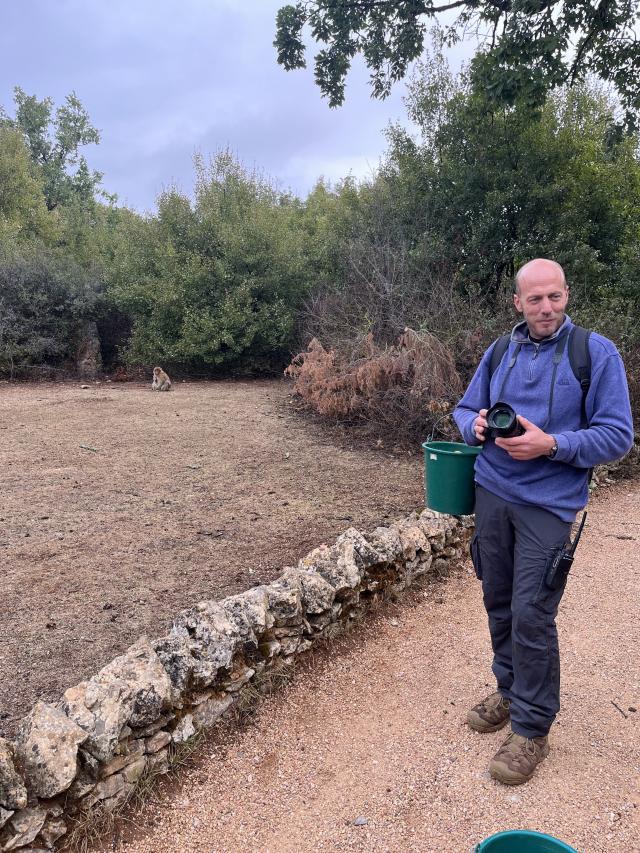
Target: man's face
[{"x": 542, "y": 299}]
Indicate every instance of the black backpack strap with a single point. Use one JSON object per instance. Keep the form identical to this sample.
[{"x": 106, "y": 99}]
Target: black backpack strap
[
  {"x": 580, "y": 360},
  {"x": 497, "y": 354}
]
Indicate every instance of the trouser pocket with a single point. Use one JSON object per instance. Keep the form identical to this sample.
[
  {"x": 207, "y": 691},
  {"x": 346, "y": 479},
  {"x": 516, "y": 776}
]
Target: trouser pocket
[{"x": 474, "y": 548}]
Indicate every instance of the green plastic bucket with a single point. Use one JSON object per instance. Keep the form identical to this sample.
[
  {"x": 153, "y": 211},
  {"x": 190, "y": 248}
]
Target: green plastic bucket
[
  {"x": 522, "y": 841},
  {"x": 448, "y": 476}
]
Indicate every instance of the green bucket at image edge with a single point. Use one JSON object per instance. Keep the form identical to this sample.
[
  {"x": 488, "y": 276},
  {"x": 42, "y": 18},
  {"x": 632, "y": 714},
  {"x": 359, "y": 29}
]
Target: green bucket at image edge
[
  {"x": 448, "y": 476},
  {"x": 522, "y": 841}
]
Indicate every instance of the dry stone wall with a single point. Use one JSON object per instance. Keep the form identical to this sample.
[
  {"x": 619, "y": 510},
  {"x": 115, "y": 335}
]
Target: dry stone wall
[{"x": 104, "y": 734}]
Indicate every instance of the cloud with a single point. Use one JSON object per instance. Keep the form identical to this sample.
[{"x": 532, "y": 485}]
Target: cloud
[{"x": 163, "y": 79}]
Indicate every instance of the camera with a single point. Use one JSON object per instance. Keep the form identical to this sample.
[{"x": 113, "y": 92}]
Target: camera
[{"x": 502, "y": 422}]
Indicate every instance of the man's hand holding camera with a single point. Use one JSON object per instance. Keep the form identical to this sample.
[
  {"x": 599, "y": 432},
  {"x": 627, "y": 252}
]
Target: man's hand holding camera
[
  {"x": 480, "y": 424},
  {"x": 531, "y": 444}
]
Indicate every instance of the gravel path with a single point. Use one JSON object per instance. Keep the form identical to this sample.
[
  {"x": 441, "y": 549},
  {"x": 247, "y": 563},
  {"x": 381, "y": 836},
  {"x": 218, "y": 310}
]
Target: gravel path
[{"x": 376, "y": 731}]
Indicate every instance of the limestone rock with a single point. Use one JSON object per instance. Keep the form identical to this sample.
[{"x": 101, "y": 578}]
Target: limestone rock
[
  {"x": 354, "y": 545},
  {"x": 285, "y": 600},
  {"x": 13, "y": 794},
  {"x": 48, "y": 747},
  {"x": 25, "y": 825},
  {"x": 184, "y": 730},
  {"x": 211, "y": 638},
  {"x": 289, "y": 645},
  {"x": 343, "y": 565},
  {"x": 386, "y": 541},
  {"x": 412, "y": 538},
  {"x": 112, "y": 803},
  {"x": 175, "y": 655},
  {"x": 161, "y": 723},
  {"x": 157, "y": 742},
  {"x": 112, "y": 792},
  {"x": 4, "y": 816},
  {"x": 434, "y": 528},
  {"x": 149, "y": 685},
  {"x": 158, "y": 763},
  {"x": 238, "y": 678},
  {"x": 53, "y": 829},
  {"x": 134, "y": 688},
  {"x": 133, "y": 772},
  {"x": 249, "y": 614},
  {"x": 316, "y": 592},
  {"x": 109, "y": 787},
  {"x": 134, "y": 749},
  {"x": 208, "y": 712}
]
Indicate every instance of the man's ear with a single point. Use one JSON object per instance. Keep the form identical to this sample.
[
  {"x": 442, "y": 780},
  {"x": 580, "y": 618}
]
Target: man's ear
[{"x": 517, "y": 302}]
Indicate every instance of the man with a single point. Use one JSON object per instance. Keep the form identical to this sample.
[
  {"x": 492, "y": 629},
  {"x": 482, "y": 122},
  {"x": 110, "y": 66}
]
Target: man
[{"x": 528, "y": 491}]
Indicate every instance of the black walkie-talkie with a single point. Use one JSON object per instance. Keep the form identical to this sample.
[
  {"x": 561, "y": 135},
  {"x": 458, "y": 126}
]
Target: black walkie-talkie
[{"x": 561, "y": 564}]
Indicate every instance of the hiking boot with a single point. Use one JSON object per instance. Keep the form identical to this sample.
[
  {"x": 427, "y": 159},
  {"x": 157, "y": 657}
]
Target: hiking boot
[
  {"x": 489, "y": 715},
  {"x": 517, "y": 758}
]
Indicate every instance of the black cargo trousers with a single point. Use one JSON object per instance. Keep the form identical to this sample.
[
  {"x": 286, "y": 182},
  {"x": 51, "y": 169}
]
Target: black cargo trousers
[{"x": 511, "y": 549}]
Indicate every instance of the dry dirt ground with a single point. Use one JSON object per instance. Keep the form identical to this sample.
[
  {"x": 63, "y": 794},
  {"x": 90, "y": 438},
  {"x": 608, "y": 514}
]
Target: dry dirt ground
[
  {"x": 367, "y": 749},
  {"x": 119, "y": 507}
]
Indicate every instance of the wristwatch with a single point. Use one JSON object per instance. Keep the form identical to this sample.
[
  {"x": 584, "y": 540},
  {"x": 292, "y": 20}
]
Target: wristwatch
[{"x": 553, "y": 450}]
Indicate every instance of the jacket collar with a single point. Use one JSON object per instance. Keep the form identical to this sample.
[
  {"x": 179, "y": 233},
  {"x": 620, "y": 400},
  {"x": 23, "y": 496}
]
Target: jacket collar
[{"x": 520, "y": 332}]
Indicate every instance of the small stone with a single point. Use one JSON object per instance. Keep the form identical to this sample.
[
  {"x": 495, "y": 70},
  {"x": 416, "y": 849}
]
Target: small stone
[
  {"x": 157, "y": 742},
  {"x": 633, "y": 709},
  {"x": 158, "y": 763},
  {"x": 111, "y": 786},
  {"x": 361, "y": 821},
  {"x": 26, "y": 824},
  {"x": 52, "y": 831},
  {"x": 134, "y": 749},
  {"x": 134, "y": 771},
  {"x": 184, "y": 730}
]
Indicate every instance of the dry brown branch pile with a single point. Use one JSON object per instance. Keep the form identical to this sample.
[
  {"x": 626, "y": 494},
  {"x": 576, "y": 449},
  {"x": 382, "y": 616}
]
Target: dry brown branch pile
[{"x": 406, "y": 389}]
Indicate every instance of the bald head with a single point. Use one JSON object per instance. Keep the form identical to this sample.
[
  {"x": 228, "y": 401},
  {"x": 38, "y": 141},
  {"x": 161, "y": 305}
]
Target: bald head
[
  {"x": 540, "y": 270},
  {"x": 541, "y": 295}
]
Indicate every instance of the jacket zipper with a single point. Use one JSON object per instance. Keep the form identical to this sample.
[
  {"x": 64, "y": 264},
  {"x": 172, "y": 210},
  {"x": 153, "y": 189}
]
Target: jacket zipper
[{"x": 535, "y": 355}]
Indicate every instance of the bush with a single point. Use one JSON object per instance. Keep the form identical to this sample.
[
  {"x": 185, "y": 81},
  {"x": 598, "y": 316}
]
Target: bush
[
  {"x": 403, "y": 391},
  {"x": 43, "y": 301}
]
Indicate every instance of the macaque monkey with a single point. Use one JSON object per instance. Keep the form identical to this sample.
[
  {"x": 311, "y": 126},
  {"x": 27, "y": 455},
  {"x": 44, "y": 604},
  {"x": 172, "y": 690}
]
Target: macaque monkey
[{"x": 161, "y": 381}]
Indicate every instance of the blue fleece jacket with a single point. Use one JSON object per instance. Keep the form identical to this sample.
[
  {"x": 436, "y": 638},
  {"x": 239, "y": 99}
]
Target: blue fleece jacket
[{"x": 559, "y": 484}]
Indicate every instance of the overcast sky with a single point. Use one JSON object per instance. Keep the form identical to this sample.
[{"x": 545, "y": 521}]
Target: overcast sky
[{"x": 162, "y": 79}]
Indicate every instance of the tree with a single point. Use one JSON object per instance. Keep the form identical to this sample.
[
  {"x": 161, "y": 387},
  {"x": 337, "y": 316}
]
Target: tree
[
  {"x": 23, "y": 214},
  {"x": 488, "y": 188},
  {"x": 533, "y": 46},
  {"x": 214, "y": 283},
  {"x": 54, "y": 143}
]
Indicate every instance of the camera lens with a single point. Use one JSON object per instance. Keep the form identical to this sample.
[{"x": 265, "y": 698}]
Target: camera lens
[
  {"x": 502, "y": 419},
  {"x": 502, "y": 422}
]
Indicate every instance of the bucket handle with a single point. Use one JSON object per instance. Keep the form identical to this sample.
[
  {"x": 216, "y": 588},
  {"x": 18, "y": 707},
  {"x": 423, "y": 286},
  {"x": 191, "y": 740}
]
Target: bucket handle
[{"x": 431, "y": 437}]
